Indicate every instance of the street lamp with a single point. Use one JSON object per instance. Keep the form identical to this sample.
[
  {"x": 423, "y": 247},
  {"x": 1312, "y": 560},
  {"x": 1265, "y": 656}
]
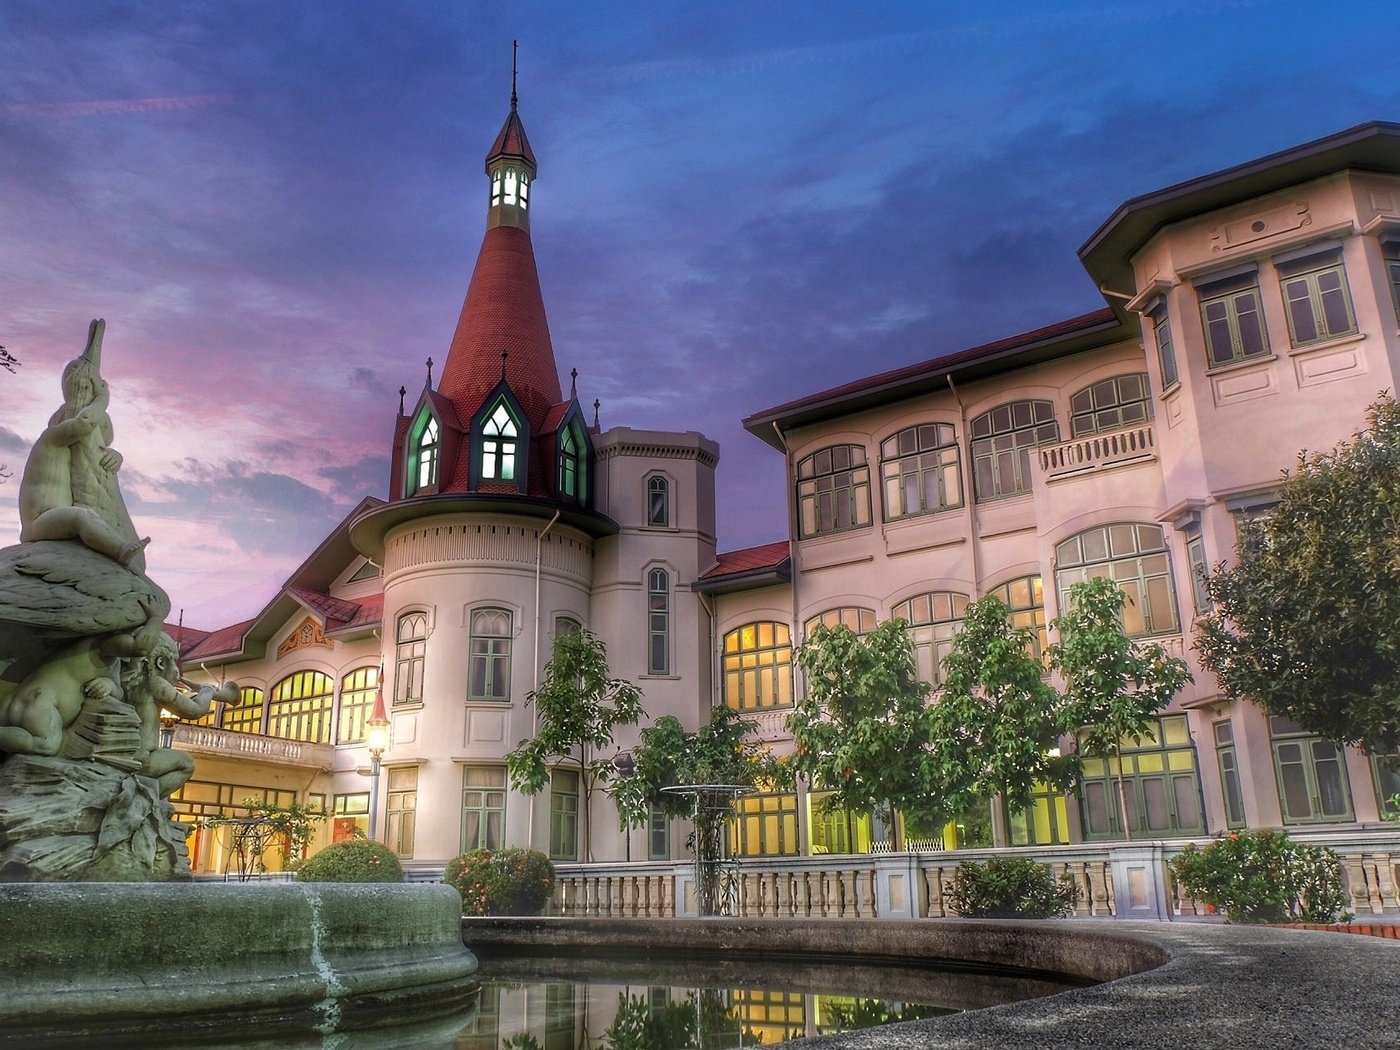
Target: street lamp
[
  {"x": 167, "y": 728},
  {"x": 377, "y": 740}
]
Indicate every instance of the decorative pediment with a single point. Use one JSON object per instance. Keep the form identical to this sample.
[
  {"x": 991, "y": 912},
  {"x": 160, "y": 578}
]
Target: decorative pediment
[{"x": 307, "y": 634}]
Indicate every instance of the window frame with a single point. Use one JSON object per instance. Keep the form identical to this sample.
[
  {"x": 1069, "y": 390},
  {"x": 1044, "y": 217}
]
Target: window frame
[
  {"x": 1029, "y": 613},
  {"x": 658, "y": 485},
  {"x": 986, "y": 431},
  {"x": 919, "y": 461},
  {"x": 1119, "y": 406},
  {"x": 1160, "y": 316},
  {"x": 484, "y": 808},
  {"x": 563, "y": 820},
  {"x": 410, "y": 659},
  {"x": 310, "y": 715},
  {"x": 1310, "y": 271},
  {"x": 944, "y": 609},
  {"x": 1228, "y": 293},
  {"x": 489, "y": 653},
  {"x": 424, "y": 451},
  {"x": 352, "y": 714},
  {"x": 754, "y": 664},
  {"x": 1069, "y": 571},
  {"x": 658, "y": 584},
  {"x": 1231, "y": 784},
  {"x": 1171, "y": 737},
  {"x": 1283, "y": 734},
  {"x": 401, "y": 811},
  {"x": 834, "y": 479}
]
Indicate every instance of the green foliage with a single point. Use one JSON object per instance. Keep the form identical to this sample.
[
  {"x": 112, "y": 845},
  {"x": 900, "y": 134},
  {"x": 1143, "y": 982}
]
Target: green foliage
[
  {"x": 1307, "y": 622},
  {"x": 1010, "y": 888},
  {"x": 508, "y": 881},
  {"x": 578, "y": 706},
  {"x": 291, "y": 827},
  {"x": 861, "y": 729},
  {"x": 638, "y": 1025},
  {"x": 354, "y": 860},
  {"x": 1264, "y": 876},
  {"x": 996, "y": 719}
]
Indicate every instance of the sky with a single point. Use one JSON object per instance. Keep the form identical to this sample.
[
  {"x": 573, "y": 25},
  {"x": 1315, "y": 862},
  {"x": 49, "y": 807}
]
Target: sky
[{"x": 277, "y": 206}]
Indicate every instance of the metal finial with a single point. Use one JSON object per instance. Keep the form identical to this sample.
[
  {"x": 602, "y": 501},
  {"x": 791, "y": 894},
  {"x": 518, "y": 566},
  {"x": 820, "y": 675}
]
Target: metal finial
[
  {"x": 430, "y": 373},
  {"x": 514, "y": 47},
  {"x": 504, "y": 355},
  {"x": 573, "y": 383},
  {"x": 402, "y": 392},
  {"x": 596, "y": 405}
]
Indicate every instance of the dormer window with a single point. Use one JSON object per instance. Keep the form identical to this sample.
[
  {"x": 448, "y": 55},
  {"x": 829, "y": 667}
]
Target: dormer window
[
  {"x": 423, "y": 454},
  {"x": 572, "y": 465},
  {"x": 510, "y": 185},
  {"x": 495, "y": 189},
  {"x": 500, "y": 440}
]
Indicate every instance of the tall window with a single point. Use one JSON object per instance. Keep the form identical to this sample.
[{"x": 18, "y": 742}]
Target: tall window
[
  {"x": 1229, "y": 773},
  {"x": 861, "y": 621},
  {"x": 1312, "y": 775},
  {"x": 1387, "y": 770},
  {"x": 563, "y": 815},
  {"x": 490, "y": 655},
  {"x": 1234, "y": 324},
  {"x": 1392, "y": 266},
  {"x": 1110, "y": 404},
  {"x": 758, "y": 666},
  {"x": 934, "y": 620},
  {"x": 573, "y": 464},
  {"x": 495, "y": 188},
  {"x": 1166, "y": 354},
  {"x": 524, "y": 191},
  {"x": 512, "y": 181},
  {"x": 483, "y": 807},
  {"x": 401, "y": 810},
  {"x": 1200, "y": 571},
  {"x": 409, "y": 650},
  {"x": 658, "y": 622},
  {"x": 658, "y": 502},
  {"x": 919, "y": 470},
  {"x": 765, "y": 826},
  {"x": 1045, "y": 822},
  {"x": 833, "y": 490},
  {"x": 658, "y": 833},
  {"x": 1158, "y": 778},
  {"x": 246, "y": 716},
  {"x": 1002, "y": 440},
  {"x": 1025, "y": 597},
  {"x": 500, "y": 439},
  {"x": 301, "y": 707},
  {"x": 357, "y": 691},
  {"x": 1315, "y": 292},
  {"x": 425, "y": 454},
  {"x": 1135, "y": 558}
]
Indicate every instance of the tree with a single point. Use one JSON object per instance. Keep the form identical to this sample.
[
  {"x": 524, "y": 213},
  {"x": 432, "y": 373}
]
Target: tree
[
  {"x": 1307, "y": 622},
  {"x": 1113, "y": 687},
  {"x": 292, "y": 827},
  {"x": 861, "y": 729},
  {"x": 578, "y": 706},
  {"x": 720, "y": 753},
  {"x": 997, "y": 720}
]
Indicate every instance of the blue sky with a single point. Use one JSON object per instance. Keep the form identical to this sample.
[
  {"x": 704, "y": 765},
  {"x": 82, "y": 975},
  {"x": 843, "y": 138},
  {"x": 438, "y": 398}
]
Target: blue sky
[{"x": 277, "y": 206}]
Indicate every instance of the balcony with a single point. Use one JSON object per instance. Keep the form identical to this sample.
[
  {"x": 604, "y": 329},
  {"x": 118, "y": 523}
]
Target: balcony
[
  {"x": 1097, "y": 452},
  {"x": 251, "y": 746}
]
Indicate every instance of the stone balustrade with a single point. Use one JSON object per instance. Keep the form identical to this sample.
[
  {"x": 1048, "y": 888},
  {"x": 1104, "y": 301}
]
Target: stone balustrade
[
  {"x": 1098, "y": 451},
  {"x": 211, "y": 741}
]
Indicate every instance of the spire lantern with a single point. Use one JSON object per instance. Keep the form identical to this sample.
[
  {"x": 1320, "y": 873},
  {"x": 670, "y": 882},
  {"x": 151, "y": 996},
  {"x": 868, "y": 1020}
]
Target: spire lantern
[{"x": 510, "y": 166}]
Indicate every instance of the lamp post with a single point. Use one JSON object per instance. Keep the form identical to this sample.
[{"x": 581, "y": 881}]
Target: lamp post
[
  {"x": 167, "y": 728},
  {"x": 377, "y": 740}
]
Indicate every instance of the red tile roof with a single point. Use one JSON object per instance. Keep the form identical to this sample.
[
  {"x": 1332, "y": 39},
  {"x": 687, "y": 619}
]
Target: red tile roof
[
  {"x": 511, "y": 142},
  {"x": 749, "y": 559},
  {"x": 224, "y": 641},
  {"x": 334, "y": 611}
]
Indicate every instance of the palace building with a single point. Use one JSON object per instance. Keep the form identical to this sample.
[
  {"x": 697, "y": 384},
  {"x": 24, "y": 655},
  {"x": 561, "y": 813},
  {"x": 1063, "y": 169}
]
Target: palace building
[{"x": 1249, "y": 313}]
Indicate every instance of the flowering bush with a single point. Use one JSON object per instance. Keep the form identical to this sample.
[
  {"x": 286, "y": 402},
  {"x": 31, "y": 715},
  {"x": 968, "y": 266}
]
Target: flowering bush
[
  {"x": 1010, "y": 888},
  {"x": 354, "y": 860},
  {"x": 501, "y": 882},
  {"x": 1263, "y": 876}
]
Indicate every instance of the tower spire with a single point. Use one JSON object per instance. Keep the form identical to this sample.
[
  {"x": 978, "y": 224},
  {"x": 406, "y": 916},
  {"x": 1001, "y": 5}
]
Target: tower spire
[{"x": 514, "y": 49}]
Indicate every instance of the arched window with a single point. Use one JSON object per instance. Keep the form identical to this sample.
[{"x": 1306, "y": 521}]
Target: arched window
[
  {"x": 409, "y": 652},
  {"x": 1002, "y": 440},
  {"x": 1132, "y": 556},
  {"x": 934, "y": 620},
  {"x": 301, "y": 706},
  {"x": 490, "y": 655},
  {"x": 919, "y": 470},
  {"x": 524, "y": 191},
  {"x": 1110, "y": 404},
  {"x": 758, "y": 666},
  {"x": 423, "y": 454},
  {"x": 357, "y": 691},
  {"x": 1025, "y": 597},
  {"x": 246, "y": 716},
  {"x": 658, "y": 622},
  {"x": 861, "y": 621},
  {"x": 658, "y": 502},
  {"x": 573, "y": 463},
  {"x": 500, "y": 436},
  {"x": 510, "y": 186},
  {"x": 495, "y": 189},
  {"x": 833, "y": 490}
]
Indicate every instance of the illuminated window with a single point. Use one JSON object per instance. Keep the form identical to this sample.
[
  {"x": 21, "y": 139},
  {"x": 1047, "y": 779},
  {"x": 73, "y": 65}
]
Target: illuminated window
[
  {"x": 524, "y": 191},
  {"x": 246, "y": 716},
  {"x": 490, "y": 655},
  {"x": 495, "y": 189},
  {"x": 1025, "y": 597},
  {"x": 499, "y": 445},
  {"x": 357, "y": 690},
  {"x": 833, "y": 490},
  {"x": 301, "y": 707},
  {"x": 563, "y": 815},
  {"x": 573, "y": 463},
  {"x": 919, "y": 469},
  {"x": 765, "y": 826},
  {"x": 1159, "y": 779},
  {"x": 658, "y": 502},
  {"x": 425, "y": 455},
  {"x": 1045, "y": 822},
  {"x": 350, "y": 816},
  {"x": 861, "y": 621},
  {"x": 1002, "y": 440},
  {"x": 483, "y": 807},
  {"x": 511, "y": 183},
  {"x": 1234, "y": 323},
  {"x": 1317, "y": 299},
  {"x": 758, "y": 666},
  {"x": 1110, "y": 404},
  {"x": 1132, "y": 556},
  {"x": 658, "y": 622},
  {"x": 934, "y": 620},
  {"x": 409, "y": 653},
  {"x": 1166, "y": 354}
]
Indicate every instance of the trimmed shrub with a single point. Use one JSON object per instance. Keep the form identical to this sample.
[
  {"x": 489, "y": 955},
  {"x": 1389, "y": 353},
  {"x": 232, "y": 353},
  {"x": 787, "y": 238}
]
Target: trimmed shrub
[
  {"x": 354, "y": 860},
  {"x": 501, "y": 882},
  {"x": 1010, "y": 888},
  {"x": 1264, "y": 876}
]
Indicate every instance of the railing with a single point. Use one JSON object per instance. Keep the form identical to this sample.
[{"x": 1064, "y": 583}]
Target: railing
[
  {"x": 1098, "y": 451},
  {"x": 251, "y": 745},
  {"x": 641, "y": 890}
]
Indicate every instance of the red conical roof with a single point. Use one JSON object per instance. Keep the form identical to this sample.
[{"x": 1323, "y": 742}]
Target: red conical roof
[{"x": 511, "y": 141}]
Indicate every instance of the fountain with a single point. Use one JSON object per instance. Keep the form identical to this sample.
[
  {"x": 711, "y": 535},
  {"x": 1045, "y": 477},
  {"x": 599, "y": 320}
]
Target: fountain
[{"x": 101, "y": 932}]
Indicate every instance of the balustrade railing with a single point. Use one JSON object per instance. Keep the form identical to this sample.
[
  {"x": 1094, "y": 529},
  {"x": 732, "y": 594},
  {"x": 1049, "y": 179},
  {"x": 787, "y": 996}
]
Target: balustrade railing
[
  {"x": 1097, "y": 451},
  {"x": 192, "y": 737}
]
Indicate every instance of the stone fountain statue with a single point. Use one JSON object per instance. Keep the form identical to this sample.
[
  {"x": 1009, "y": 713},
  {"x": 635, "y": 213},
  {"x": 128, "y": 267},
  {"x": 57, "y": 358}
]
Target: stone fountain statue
[{"x": 85, "y": 667}]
